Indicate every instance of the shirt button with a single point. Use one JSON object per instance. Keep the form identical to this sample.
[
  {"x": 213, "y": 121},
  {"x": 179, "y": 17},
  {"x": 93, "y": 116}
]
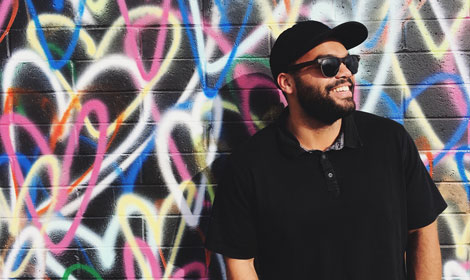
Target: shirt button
[{"x": 330, "y": 175}]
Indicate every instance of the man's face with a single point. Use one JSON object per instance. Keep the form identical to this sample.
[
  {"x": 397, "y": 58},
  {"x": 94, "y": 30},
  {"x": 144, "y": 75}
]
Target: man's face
[{"x": 322, "y": 98}]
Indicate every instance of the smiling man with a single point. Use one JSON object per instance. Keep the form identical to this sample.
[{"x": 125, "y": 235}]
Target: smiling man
[{"x": 326, "y": 192}]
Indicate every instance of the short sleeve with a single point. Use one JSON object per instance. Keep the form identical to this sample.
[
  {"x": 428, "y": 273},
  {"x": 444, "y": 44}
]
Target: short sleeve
[
  {"x": 231, "y": 231},
  {"x": 424, "y": 201}
]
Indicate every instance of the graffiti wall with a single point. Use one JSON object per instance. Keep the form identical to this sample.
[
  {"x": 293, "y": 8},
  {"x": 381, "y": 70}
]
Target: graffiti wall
[{"x": 113, "y": 113}]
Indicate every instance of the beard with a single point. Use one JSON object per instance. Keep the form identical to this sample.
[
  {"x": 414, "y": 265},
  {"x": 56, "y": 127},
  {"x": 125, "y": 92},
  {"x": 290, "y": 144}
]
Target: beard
[{"x": 319, "y": 105}]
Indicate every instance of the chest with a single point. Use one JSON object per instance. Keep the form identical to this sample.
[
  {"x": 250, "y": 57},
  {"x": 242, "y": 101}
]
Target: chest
[{"x": 294, "y": 193}]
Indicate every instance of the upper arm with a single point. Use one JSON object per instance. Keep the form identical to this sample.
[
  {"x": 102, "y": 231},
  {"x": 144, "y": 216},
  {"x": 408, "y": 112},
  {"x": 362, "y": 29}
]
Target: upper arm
[
  {"x": 423, "y": 255},
  {"x": 423, "y": 200},
  {"x": 427, "y": 231},
  {"x": 232, "y": 230},
  {"x": 240, "y": 269}
]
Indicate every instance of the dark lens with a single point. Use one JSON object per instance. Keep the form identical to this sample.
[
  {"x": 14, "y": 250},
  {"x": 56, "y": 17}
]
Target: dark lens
[
  {"x": 330, "y": 66},
  {"x": 352, "y": 62}
]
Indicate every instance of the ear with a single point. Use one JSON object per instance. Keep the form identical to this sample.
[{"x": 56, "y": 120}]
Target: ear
[{"x": 286, "y": 83}]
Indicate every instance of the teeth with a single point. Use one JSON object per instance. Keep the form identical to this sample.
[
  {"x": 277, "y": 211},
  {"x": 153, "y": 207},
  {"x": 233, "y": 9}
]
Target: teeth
[{"x": 343, "y": 88}]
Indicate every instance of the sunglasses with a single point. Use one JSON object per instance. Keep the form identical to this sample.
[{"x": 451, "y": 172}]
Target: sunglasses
[{"x": 330, "y": 65}]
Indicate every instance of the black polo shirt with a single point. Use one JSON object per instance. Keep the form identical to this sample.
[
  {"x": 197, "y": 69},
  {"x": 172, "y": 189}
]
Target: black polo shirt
[{"x": 279, "y": 203}]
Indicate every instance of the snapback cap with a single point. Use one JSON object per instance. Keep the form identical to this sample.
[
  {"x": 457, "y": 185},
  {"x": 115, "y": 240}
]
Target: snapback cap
[{"x": 297, "y": 40}]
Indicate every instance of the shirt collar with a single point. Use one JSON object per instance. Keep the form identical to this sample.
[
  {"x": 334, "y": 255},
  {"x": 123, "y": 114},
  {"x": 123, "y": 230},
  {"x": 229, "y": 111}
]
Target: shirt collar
[{"x": 291, "y": 146}]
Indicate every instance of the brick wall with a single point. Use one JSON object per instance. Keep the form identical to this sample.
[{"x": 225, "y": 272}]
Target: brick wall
[{"x": 113, "y": 111}]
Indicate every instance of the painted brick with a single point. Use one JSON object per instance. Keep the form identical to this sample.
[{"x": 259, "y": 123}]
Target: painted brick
[
  {"x": 259, "y": 41},
  {"x": 372, "y": 10},
  {"x": 417, "y": 41},
  {"x": 148, "y": 42},
  {"x": 442, "y": 128},
  {"x": 233, "y": 13},
  {"x": 108, "y": 40},
  {"x": 389, "y": 104},
  {"x": 446, "y": 169},
  {"x": 455, "y": 196},
  {"x": 244, "y": 68},
  {"x": 452, "y": 229},
  {"x": 427, "y": 64},
  {"x": 152, "y": 174},
  {"x": 443, "y": 101},
  {"x": 447, "y": 10},
  {"x": 107, "y": 77},
  {"x": 453, "y": 267}
]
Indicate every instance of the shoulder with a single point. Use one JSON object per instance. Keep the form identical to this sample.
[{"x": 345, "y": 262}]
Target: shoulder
[
  {"x": 367, "y": 119},
  {"x": 371, "y": 124},
  {"x": 261, "y": 144},
  {"x": 376, "y": 131}
]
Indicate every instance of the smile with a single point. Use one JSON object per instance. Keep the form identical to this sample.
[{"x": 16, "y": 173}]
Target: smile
[{"x": 340, "y": 89}]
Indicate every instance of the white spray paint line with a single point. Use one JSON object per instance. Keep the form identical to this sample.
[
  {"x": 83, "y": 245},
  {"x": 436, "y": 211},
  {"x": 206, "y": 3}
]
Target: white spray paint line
[
  {"x": 32, "y": 234},
  {"x": 168, "y": 122},
  {"x": 385, "y": 63},
  {"x": 73, "y": 205}
]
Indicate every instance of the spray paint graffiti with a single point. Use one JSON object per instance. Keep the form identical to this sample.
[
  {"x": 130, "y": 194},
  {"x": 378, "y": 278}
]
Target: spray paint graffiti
[{"x": 114, "y": 111}]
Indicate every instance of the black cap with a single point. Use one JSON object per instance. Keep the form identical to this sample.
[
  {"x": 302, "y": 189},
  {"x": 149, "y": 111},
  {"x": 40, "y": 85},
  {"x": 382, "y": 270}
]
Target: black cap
[{"x": 297, "y": 40}]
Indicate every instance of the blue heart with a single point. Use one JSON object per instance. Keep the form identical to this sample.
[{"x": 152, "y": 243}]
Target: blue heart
[{"x": 58, "y": 4}]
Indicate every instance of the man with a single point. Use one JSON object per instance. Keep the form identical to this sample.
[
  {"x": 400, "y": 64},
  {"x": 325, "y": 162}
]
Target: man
[{"x": 326, "y": 192}]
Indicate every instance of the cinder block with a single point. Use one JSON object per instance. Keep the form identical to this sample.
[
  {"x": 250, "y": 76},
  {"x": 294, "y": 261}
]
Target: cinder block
[
  {"x": 442, "y": 10},
  {"x": 111, "y": 76},
  {"x": 149, "y": 40},
  {"x": 416, "y": 40},
  {"x": 440, "y": 101},
  {"x": 191, "y": 259},
  {"x": 115, "y": 104},
  {"x": 66, "y": 258},
  {"x": 389, "y": 103},
  {"x": 372, "y": 10},
  {"x": 446, "y": 169},
  {"x": 373, "y": 65},
  {"x": 231, "y": 41},
  {"x": 178, "y": 75},
  {"x": 166, "y": 101},
  {"x": 188, "y": 165},
  {"x": 28, "y": 76},
  {"x": 444, "y": 129},
  {"x": 452, "y": 229},
  {"x": 107, "y": 262},
  {"x": 39, "y": 108},
  {"x": 453, "y": 266},
  {"x": 233, "y": 13},
  {"x": 191, "y": 236},
  {"x": 250, "y": 70},
  {"x": 25, "y": 144},
  {"x": 111, "y": 37},
  {"x": 455, "y": 195}
]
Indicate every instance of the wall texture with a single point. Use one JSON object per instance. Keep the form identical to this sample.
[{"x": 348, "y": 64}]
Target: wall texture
[{"x": 113, "y": 112}]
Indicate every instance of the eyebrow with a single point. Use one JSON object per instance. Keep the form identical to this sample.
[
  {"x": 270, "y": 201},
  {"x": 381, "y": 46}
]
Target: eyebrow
[{"x": 330, "y": 55}]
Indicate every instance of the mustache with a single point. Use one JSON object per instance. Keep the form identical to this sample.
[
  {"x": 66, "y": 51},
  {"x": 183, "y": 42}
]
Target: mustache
[{"x": 340, "y": 82}]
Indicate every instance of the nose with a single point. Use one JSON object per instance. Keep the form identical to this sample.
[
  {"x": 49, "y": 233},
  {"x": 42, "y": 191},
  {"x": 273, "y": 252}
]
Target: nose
[{"x": 343, "y": 72}]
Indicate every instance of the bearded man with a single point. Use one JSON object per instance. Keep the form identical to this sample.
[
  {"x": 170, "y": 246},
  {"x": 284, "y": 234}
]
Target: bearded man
[{"x": 326, "y": 192}]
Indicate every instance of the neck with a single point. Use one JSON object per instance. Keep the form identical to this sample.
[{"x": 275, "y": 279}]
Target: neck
[{"x": 311, "y": 133}]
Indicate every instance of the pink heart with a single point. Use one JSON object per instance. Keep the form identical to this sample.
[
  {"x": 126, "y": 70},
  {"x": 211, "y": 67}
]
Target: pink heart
[
  {"x": 12, "y": 118},
  {"x": 131, "y": 44}
]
